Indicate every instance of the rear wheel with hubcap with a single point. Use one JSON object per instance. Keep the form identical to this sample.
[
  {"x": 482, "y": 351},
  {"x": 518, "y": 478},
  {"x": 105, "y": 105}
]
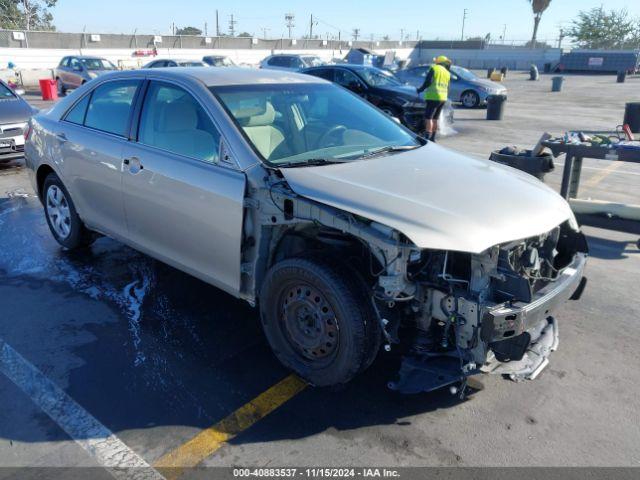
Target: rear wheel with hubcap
[
  {"x": 62, "y": 218},
  {"x": 318, "y": 319}
]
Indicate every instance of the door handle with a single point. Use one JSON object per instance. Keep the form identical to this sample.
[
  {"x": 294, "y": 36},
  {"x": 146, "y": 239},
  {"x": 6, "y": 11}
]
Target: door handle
[
  {"x": 134, "y": 164},
  {"x": 61, "y": 137}
]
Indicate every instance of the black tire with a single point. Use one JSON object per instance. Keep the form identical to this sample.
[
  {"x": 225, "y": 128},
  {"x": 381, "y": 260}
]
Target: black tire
[
  {"x": 472, "y": 95},
  {"x": 296, "y": 284},
  {"x": 62, "y": 90},
  {"x": 79, "y": 236}
]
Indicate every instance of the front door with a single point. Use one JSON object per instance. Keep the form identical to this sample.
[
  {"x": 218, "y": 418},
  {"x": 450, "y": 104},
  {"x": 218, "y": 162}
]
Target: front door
[{"x": 181, "y": 205}]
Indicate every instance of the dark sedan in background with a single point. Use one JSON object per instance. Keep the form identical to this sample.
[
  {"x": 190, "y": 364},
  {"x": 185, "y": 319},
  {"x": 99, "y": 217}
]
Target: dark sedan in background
[
  {"x": 380, "y": 88},
  {"x": 14, "y": 115}
]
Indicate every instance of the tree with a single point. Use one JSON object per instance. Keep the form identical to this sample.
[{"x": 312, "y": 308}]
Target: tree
[
  {"x": 26, "y": 14},
  {"x": 598, "y": 28},
  {"x": 538, "y": 7},
  {"x": 188, "y": 31},
  {"x": 244, "y": 34}
]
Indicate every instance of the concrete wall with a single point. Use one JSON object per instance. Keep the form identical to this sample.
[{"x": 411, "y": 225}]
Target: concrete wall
[{"x": 512, "y": 58}]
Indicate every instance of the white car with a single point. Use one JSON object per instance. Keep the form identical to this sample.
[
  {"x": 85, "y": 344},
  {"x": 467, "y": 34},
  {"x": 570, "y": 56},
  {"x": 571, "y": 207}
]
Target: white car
[{"x": 290, "y": 62}]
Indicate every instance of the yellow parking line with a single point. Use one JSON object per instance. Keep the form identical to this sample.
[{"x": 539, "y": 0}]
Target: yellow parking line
[
  {"x": 210, "y": 440},
  {"x": 602, "y": 174}
]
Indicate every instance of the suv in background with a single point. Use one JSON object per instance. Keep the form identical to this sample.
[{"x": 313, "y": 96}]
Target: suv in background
[
  {"x": 73, "y": 71},
  {"x": 168, "y": 62},
  {"x": 379, "y": 87},
  {"x": 290, "y": 62},
  {"x": 218, "y": 61}
]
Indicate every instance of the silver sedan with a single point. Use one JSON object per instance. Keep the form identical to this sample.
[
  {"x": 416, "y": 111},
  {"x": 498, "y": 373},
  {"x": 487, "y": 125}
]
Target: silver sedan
[{"x": 296, "y": 195}]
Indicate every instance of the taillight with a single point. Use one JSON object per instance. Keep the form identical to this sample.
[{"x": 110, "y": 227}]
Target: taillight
[{"x": 27, "y": 131}]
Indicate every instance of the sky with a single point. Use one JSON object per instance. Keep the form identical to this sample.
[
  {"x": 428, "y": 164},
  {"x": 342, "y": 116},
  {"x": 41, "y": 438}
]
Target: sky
[{"x": 430, "y": 19}]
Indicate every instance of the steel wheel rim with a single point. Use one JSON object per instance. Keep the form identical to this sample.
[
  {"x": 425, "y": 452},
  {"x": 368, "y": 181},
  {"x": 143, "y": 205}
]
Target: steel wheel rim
[
  {"x": 469, "y": 99},
  {"x": 309, "y": 322},
  {"x": 58, "y": 211}
]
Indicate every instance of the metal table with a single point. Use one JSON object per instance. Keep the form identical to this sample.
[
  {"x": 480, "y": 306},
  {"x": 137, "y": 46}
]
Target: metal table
[{"x": 574, "y": 155}]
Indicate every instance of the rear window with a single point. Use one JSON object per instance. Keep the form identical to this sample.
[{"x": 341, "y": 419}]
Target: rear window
[
  {"x": 76, "y": 114},
  {"x": 110, "y": 106}
]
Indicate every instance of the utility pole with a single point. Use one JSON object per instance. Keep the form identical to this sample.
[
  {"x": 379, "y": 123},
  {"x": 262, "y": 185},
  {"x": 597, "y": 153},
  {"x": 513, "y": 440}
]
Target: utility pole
[
  {"x": 232, "y": 26},
  {"x": 205, "y": 29},
  {"x": 311, "y": 27},
  {"x": 356, "y": 34},
  {"x": 217, "y": 25},
  {"x": 504, "y": 33},
  {"x": 401, "y": 34},
  {"x": 464, "y": 18},
  {"x": 289, "y": 18},
  {"x": 560, "y": 37}
]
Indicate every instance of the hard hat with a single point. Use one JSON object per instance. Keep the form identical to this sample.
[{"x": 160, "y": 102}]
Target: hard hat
[{"x": 441, "y": 59}]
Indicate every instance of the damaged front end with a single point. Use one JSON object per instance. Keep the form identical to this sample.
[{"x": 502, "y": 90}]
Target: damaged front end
[{"x": 489, "y": 312}]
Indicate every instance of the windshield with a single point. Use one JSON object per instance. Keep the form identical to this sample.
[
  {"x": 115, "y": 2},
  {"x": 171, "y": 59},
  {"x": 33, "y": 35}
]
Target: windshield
[
  {"x": 375, "y": 77},
  {"x": 463, "y": 73},
  {"x": 312, "y": 61},
  {"x": 221, "y": 62},
  {"x": 5, "y": 92},
  {"x": 191, "y": 64},
  {"x": 293, "y": 123},
  {"x": 97, "y": 64}
]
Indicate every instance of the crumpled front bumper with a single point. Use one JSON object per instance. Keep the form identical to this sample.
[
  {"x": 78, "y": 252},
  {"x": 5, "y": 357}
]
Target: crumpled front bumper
[
  {"x": 504, "y": 321},
  {"x": 507, "y": 323}
]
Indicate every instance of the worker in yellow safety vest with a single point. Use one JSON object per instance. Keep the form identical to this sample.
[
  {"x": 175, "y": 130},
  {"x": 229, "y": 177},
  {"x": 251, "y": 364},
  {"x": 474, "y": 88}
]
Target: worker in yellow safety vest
[{"x": 436, "y": 92}]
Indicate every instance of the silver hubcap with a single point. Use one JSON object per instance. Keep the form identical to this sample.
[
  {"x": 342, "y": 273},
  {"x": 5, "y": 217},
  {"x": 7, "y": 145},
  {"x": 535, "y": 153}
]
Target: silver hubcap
[
  {"x": 469, "y": 99},
  {"x": 58, "y": 211}
]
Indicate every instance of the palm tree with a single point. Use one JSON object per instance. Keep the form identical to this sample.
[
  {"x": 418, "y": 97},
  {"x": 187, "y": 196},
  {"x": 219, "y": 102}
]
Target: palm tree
[{"x": 538, "y": 7}]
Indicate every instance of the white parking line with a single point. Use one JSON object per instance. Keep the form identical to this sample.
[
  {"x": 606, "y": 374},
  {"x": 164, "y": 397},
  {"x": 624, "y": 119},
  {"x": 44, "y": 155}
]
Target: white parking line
[{"x": 96, "y": 439}]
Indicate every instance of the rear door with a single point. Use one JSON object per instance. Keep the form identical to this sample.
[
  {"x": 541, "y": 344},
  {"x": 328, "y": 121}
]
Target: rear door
[
  {"x": 182, "y": 204},
  {"x": 91, "y": 139}
]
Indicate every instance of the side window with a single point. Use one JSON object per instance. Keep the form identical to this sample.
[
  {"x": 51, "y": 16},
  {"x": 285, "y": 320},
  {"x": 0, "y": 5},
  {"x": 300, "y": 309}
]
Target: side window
[
  {"x": 74, "y": 63},
  {"x": 345, "y": 78},
  {"x": 110, "y": 106},
  {"x": 76, "y": 114},
  {"x": 173, "y": 120},
  {"x": 323, "y": 73},
  {"x": 296, "y": 62},
  {"x": 64, "y": 62}
]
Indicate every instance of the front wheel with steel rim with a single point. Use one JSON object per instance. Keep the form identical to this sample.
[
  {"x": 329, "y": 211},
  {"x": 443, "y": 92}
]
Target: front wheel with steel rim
[
  {"x": 318, "y": 319},
  {"x": 62, "y": 218},
  {"x": 470, "y": 99}
]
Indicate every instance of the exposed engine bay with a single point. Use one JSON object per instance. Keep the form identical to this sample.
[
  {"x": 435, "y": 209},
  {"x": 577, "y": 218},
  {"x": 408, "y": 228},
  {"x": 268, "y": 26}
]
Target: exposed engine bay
[{"x": 451, "y": 314}]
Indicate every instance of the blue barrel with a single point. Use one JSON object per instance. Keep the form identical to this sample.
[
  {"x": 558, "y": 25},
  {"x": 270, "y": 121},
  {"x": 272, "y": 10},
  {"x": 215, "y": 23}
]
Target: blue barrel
[{"x": 556, "y": 84}]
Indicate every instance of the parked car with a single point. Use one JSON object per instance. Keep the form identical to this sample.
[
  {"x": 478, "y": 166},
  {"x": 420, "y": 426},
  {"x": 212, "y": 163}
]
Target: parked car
[
  {"x": 299, "y": 197},
  {"x": 290, "y": 62},
  {"x": 173, "y": 62},
  {"x": 73, "y": 71},
  {"x": 378, "y": 87},
  {"x": 465, "y": 87},
  {"x": 14, "y": 115},
  {"x": 218, "y": 61}
]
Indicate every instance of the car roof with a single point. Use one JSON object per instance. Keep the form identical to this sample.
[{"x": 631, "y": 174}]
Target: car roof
[
  {"x": 87, "y": 57},
  {"x": 350, "y": 66},
  {"x": 226, "y": 76}
]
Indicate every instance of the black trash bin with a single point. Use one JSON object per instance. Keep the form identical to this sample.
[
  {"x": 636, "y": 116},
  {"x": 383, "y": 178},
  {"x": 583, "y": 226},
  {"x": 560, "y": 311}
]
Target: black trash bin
[
  {"x": 504, "y": 71},
  {"x": 556, "y": 84},
  {"x": 622, "y": 76},
  {"x": 522, "y": 160},
  {"x": 632, "y": 116},
  {"x": 495, "y": 106}
]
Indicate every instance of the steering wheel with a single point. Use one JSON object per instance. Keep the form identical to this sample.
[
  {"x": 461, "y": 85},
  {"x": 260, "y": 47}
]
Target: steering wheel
[{"x": 332, "y": 132}]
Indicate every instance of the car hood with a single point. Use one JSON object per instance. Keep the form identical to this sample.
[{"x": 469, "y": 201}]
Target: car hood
[
  {"x": 402, "y": 90},
  {"x": 438, "y": 198},
  {"x": 14, "y": 110},
  {"x": 481, "y": 82}
]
